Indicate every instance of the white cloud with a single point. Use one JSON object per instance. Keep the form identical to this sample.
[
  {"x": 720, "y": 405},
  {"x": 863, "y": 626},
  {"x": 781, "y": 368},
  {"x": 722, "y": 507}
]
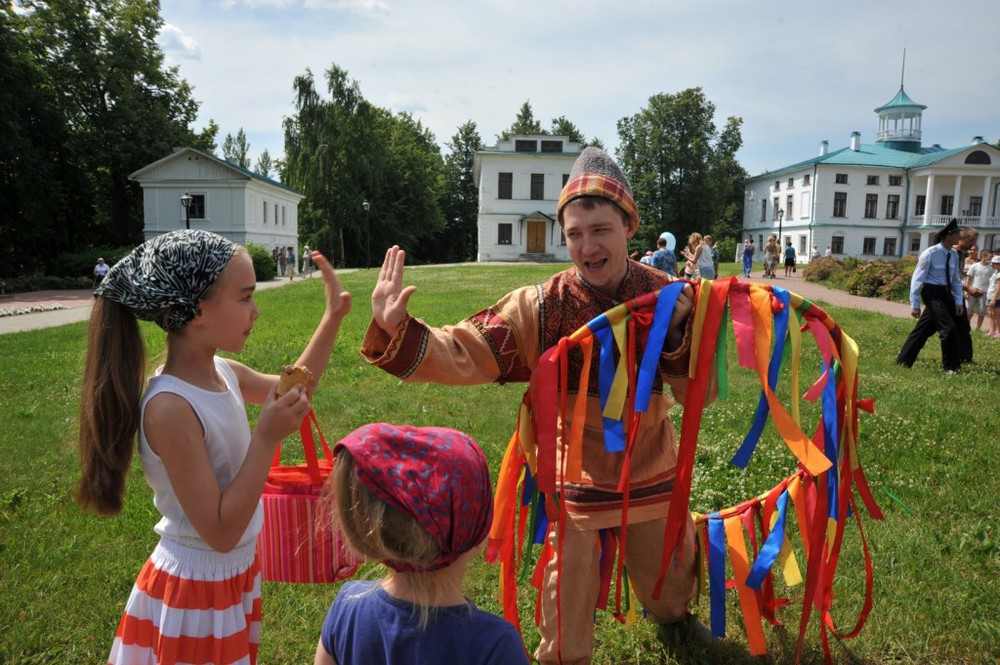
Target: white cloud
[{"x": 175, "y": 43}]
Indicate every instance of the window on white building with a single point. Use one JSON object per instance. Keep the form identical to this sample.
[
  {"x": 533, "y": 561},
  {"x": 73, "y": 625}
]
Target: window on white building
[
  {"x": 275, "y": 214},
  {"x": 524, "y": 145},
  {"x": 889, "y": 247},
  {"x": 837, "y": 244},
  {"x": 537, "y": 186},
  {"x": 920, "y": 207},
  {"x": 196, "y": 209},
  {"x": 265, "y": 212},
  {"x": 947, "y": 204},
  {"x": 871, "y": 206},
  {"x": 868, "y": 246},
  {"x": 802, "y": 245},
  {"x": 505, "y": 185},
  {"x": 805, "y": 179},
  {"x": 841, "y": 179},
  {"x": 777, "y": 185},
  {"x": 505, "y": 233},
  {"x": 915, "y": 244},
  {"x": 840, "y": 204},
  {"x": 775, "y": 208},
  {"x": 892, "y": 206},
  {"x": 788, "y": 207},
  {"x": 872, "y": 180},
  {"x": 763, "y": 210},
  {"x": 552, "y": 146},
  {"x": 791, "y": 183},
  {"x": 975, "y": 206},
  {"x": 895, "y": 180}
]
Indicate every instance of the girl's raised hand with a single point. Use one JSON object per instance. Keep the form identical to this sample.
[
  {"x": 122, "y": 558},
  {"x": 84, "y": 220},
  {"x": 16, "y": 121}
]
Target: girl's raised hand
[
  {"x": 338, "y": 302},
  {"x": 389, "y": 298}
]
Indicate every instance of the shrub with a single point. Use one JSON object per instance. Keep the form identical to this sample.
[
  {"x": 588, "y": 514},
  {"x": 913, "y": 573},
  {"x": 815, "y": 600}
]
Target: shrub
[
  {"x": 81, "y": 264},
  {"x": 263, "y": 262}
]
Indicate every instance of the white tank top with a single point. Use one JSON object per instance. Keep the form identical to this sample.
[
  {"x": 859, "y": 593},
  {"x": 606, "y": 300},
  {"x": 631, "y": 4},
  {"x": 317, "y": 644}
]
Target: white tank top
[
  {"x": 705, "y": 258},
  {"x": 227, "y": 439}
]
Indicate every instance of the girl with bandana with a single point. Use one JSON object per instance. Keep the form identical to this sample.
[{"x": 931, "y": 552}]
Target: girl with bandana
[
  {"x": 417, "y": 499},
  {"x": 197, "y": 598}
]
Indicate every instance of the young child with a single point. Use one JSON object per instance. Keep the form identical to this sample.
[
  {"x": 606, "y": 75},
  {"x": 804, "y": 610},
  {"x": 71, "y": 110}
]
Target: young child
[
  {"x": 977, "y": 282},
  {"x": 993, "y": 297},
  {"x": 418, "y": 499},
  {"x": 197, "y": 598},
  {"x": 503, "y": 343}
]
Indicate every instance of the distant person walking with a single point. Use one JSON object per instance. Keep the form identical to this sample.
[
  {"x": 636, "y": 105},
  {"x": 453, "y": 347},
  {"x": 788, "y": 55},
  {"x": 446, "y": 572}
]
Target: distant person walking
[
  {"x": 290, "y": 262},
  {"x": 936, "y": 280},
  {"x": 282, "y": 261},
  {"x": 747, "y": 257},
  {"x": 100, "y": 272},
  {"x": 307, "y": 265},
  {"x": 789, "y": 258}
]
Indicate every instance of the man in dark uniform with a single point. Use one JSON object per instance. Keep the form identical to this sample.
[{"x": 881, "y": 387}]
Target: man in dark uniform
[{"x": 937, "y": 281}]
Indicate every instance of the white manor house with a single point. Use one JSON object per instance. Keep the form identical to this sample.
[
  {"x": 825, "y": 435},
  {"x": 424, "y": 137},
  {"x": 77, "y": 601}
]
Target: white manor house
[{"x": 882, "y": 200}]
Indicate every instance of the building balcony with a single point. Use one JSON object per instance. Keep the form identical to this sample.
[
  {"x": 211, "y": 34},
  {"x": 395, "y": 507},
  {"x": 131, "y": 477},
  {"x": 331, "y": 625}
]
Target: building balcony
[
  {"x": 940, "y": 221},
  {"x": 898, "y": 135}
]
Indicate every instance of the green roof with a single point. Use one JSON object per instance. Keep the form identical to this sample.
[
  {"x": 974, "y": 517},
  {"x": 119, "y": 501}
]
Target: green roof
[
  {"x": 901, "y": 100},
  {"x": 874, "y": 155}
]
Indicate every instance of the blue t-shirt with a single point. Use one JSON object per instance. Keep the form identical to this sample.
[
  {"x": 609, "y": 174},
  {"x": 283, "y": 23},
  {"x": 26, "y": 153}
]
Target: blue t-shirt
[
  {"x": 367, "y": 625},
  {"x": 665, "y": 260}
]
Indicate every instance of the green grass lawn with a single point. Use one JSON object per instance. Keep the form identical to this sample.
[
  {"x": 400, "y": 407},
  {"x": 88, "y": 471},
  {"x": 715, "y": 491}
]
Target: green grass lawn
[{"x": 929, "y": 451}]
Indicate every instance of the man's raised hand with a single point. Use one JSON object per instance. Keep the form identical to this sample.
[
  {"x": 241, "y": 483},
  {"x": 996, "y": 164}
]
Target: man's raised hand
[{"x": 389, "y": 298}]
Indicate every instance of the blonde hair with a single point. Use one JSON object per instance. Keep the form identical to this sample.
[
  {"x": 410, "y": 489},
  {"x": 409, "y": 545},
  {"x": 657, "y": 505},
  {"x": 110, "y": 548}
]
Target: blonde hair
[{"x": 380, "y": 532}]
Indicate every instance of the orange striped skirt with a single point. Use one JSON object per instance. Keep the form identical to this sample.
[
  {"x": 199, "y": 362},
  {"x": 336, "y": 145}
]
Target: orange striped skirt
[{"x": 192, "y": 606}]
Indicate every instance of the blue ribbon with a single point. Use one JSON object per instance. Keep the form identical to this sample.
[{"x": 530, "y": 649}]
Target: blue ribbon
[
  {"x": 830, "y": 438},
  {"x": 650, "y": 365},
  {"x": 743, "y": 455},
  {"x": 769, "y": 550},
  {"x": 614, "y": 430},
  {"x": 717, "y": 574}
]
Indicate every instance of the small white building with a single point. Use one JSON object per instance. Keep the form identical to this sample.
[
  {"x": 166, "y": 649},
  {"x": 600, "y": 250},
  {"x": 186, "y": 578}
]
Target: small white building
[
  {"x": 519, "y": 182},
  {"x": 881, "y": 200},
  {"x": 225, "y": 198}
]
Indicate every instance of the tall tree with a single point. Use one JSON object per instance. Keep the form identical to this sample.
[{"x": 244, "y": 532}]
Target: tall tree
[
  {"x": 264, "y": 165},
  {"x": 121, "y": 109},
  {"x": 343, "y": 151},
  {"x": 460, "y": 198},
  {"x": 672, "y": 154},
  {"x": 561, "y": 126},
  {"x": 524, "y": 123},
  {"x": 236, "y": 149},
  {"x": 35, "y": 184}
]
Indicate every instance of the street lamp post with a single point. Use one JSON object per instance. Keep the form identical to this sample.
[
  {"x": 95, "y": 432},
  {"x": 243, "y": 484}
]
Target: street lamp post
[
  {"x": 368, "y": 235},
  {"x": 186, "y": 202},
  {"x": 781, "y": 216}
]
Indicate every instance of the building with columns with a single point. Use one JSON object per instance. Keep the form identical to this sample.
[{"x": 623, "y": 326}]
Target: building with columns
[
  {"x": 878, "y": 200},
  {"x": 519, "y": 182}
]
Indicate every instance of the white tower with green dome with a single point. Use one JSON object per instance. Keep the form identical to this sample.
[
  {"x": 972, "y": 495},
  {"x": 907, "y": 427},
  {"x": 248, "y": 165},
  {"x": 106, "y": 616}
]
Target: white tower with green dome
[{"x": 899, "y": 120}]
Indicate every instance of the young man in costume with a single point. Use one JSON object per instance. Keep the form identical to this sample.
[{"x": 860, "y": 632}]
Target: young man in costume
[{"x": 504, "y": 342}]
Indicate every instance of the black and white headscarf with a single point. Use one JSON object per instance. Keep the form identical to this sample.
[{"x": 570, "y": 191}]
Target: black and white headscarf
[{"x": 165, "y": 279}]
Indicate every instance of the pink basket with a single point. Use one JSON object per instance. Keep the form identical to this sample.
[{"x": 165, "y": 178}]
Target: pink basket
[{"x": 298, "y": 543}]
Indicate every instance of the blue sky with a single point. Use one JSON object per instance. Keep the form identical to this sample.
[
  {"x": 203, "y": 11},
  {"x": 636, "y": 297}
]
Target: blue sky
[{"x": 797, "y": 72}]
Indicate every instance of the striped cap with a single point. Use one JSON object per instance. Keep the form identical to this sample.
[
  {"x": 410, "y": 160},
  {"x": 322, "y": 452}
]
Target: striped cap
[{"x": 595, "y": 173}]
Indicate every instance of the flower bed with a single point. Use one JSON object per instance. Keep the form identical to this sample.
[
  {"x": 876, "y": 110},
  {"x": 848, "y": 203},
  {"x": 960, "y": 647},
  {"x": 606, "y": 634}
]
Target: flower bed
[{"x": 14, "y": 311}]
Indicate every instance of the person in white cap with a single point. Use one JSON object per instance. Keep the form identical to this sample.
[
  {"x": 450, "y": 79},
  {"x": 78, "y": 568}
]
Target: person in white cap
[{"x": 938, "y": 282}]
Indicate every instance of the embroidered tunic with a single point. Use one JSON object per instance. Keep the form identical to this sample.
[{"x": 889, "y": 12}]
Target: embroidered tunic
[{"x": 503, "y": 343}]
